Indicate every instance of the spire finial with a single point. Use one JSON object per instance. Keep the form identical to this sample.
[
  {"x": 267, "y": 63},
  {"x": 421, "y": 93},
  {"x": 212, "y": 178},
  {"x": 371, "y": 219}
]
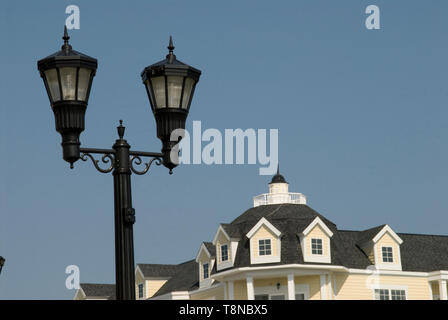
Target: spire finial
[
  {"x": 67, "y": 47},
  {"x": 278, "y": 168},
  {"x": 171, "y": 47}
]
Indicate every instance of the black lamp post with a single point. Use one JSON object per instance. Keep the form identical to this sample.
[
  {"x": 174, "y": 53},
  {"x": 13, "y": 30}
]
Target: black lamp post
[
  {"x": 2, "y": 263},
  {"x": 170, "y": 84}
]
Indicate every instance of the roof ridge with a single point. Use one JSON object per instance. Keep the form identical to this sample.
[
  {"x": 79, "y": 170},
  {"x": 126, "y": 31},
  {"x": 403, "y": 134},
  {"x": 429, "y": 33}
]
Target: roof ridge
[
  {"x": 423, "y": 234},
  {"x": 276, "y": 209}
]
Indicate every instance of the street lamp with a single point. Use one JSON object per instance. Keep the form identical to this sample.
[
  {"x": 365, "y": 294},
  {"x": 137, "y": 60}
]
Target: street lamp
[
  {"x": 2, "y": 263},
  {"x": 170, "y": 85}
]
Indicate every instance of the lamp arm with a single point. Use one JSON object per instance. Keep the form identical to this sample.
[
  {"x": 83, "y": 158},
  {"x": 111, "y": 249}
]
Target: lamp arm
[{"x": 109, "y": 157}]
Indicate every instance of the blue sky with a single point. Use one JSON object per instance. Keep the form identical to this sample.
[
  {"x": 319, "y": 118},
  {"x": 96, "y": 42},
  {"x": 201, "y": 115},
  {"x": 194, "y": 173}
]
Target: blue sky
[{"x": 361, "y": 114}]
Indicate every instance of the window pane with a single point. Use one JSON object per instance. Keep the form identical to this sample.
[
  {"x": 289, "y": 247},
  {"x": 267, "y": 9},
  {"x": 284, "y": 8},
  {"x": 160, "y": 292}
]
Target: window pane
[
  {"x": 187, "y": 92},
  {"x": 68, "y": 82},
  {"x": 140, "y": 290},
  {"x": 151, "y": 97},
  {"x": 381, "y": 294},
  {"x": 53, "y": 84},
  {"x": 224, "y": 253},
  {"x": 264, "y": 247},
  {"x": 387, "y": 254},
  {"x": 300, "y": 296},
  {"x": 174, "y": 91},
  {"x": 83, "y": 83},
  {"x": 158, "y": 86},
  {"x": 278, "y": 297},
  {"x": 261, "y": 297},
  {"x": 316, "y": 246},
  {"x": 398, "y": 294},
  {"x": 205, "y": 270}
]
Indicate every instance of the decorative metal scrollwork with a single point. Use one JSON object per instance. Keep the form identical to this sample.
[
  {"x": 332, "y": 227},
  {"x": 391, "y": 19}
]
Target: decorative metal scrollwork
[
  {"x": 106, "y": 158},
  {"x": 138, "y": 161}
]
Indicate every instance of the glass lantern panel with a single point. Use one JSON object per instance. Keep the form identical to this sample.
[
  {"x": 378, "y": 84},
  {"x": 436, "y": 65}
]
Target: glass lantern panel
[
  {"x": 51, "y": 76},
  {"x": 174, "y": 91},
  {"x": 83, "y": 83},
  {"x": 187, "y": 92},
  {"x": 158, "y": 87},
  {"x": 68, "y": 82},
  {"x": 151, "y": 97}
]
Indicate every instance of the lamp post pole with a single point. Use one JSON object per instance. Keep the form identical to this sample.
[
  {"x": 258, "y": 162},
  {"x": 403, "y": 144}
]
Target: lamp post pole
[
  {"x": 124, "y": 220},
  {"x": 170, "y": 85}
]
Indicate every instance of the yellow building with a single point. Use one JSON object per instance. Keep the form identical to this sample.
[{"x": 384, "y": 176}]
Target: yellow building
[{"x": 283, "y": 249}]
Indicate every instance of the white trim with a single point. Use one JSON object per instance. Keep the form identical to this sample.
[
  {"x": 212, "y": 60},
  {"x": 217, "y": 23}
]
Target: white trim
[
  {"x": 201, "y": 248},
  {"x": 317, "y": 267},
  {"x": 321, "y": 224},
  {"x": 291, "y": 287},
  {"x": 329, "y": 287},
  {"x": 334, "y": 288},
  {"x": 443, "y": 291},
  {"x": 140, "y": 271},
  {"x": 389, "y": 287},
  {"x": 438, "y": 275},
  {"x": 385, "y": 229},
  {"x": 231, "y": 291},
  {"x": 323, "y": 289},
  {"x": 250, "y": 288},
  {"x": 260, "y": 223}
]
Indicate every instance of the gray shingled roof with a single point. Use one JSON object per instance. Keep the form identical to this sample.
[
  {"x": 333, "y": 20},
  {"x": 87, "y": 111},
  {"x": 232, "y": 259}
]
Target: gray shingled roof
[
  {"x": 231, "y": 230},
  {"x": 98, "y": 290},
  {"x": 187, "y": 278},
  {"x": 158, "y": 270},
  {"x": 211, "y": 248},
  {"x": 369, "y": 234}
]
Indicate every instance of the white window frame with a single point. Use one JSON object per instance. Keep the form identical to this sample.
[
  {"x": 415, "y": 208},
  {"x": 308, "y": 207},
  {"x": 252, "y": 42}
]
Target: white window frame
[
  {"x": 321, "y": 246},
  {"x": 390, "y": 288},
  {"x": 227, "y": 252},
  {"x": 203, "y": 271},
  {"x": 264, "y": 245},
  {"x": 383, "y": 252}
]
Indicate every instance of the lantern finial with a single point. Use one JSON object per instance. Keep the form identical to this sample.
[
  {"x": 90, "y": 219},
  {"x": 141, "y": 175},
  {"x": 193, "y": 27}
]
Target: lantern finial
[
  {"x": 171, "y": 55},
  {"x": 121, "y": 129},
  {"x": 66, "y": 47}
]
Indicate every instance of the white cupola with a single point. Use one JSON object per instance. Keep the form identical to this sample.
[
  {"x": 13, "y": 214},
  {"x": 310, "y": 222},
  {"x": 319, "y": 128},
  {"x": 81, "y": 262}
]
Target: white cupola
[{"x": 279, "y": 193}]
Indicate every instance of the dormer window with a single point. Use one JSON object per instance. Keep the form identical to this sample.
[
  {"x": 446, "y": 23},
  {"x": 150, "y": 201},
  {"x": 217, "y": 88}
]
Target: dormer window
[
  {"x": 205, "y": 273},
  {"x": 264, "y": 242},
  {"x": 224, "y": 252},
  {"x": 225, "y": 242},
  {"x": 387, "y": 254},
  {"x": 264, "y": 247},
  {"x": 316, "y": 246},
  {"x": 315, "y": 242}
]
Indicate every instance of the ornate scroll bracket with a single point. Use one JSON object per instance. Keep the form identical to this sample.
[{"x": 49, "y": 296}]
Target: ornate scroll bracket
[
  {"x": 106, "y": 158},
  {"x": 138, "y": 161}
]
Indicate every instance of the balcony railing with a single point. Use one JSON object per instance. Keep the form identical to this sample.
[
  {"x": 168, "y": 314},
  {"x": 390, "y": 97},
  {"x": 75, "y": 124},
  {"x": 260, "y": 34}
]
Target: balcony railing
[{"x": 275, "y": 198}]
